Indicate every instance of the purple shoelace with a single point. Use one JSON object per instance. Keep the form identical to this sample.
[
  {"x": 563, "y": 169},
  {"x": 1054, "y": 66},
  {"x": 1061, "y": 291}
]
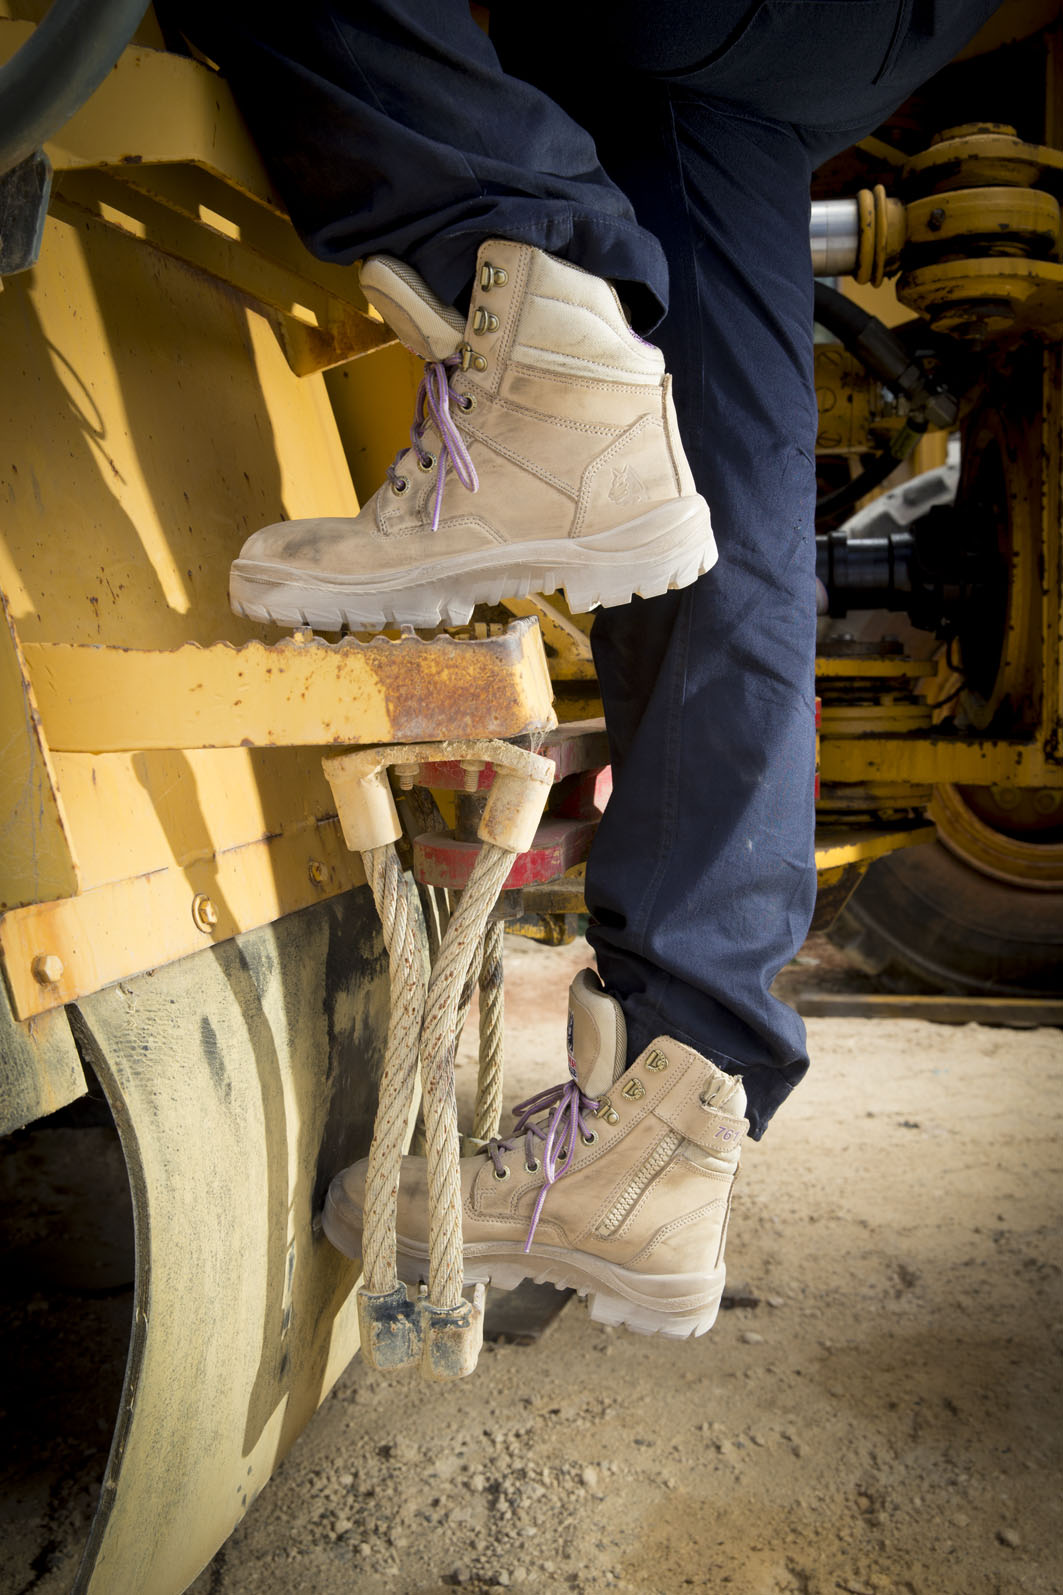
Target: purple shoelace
[
  {"x": 567, "y": 1106},
  {"x": 433, "y": 409}
]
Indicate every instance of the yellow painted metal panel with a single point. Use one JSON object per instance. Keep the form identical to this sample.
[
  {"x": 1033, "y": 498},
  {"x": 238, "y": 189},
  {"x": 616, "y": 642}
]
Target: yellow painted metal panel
[
  {"x": 153, "y": 423},
  {"x": 837, "y": 846},
  {"x": 318, "y": 327},
  {"x": 148, "y": 422},
  {"x": 373, "y": 401},
  {"x": 308, "y": 692},
  {"x": 36, "y": 856},
  {"x": 929, "y": 759},
  {"x": 128, "y": 926},
  {"x": 121, "y": 122},
  {"x": 176, "y": 807}
]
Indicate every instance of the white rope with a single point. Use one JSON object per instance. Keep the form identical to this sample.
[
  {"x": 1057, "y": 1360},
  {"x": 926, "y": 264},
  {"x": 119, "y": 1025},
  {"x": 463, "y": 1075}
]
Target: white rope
[
  {"x": 489, "y": 1081},
  {"x": 438, "y": 1044},
  {"x": 405, "y": 939}
]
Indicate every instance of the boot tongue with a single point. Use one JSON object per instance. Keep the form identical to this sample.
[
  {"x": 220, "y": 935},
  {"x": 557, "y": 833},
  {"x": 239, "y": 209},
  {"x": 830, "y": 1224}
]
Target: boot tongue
[
  {"x": 597, "y": 1035},
  {"x": 433, "y": 330}
]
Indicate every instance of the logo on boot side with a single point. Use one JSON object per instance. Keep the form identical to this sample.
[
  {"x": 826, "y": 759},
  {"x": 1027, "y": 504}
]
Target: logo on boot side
[{"x": 627, "y": 486}]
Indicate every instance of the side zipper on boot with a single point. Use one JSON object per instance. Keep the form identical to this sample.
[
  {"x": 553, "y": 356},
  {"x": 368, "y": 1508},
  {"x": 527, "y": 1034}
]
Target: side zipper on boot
[{"x": 639, "y": 1183}]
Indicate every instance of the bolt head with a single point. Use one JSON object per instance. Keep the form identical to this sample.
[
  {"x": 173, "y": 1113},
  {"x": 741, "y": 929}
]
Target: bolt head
[
  {"x": 204, "y": 912},
  {"x": 319, "y": 873},
  {"x": 47, "y": 969}
]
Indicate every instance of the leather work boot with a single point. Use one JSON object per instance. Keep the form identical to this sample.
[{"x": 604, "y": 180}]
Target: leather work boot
[
  {"x": 544, "y": 453},
  {"x": 617, "y": 1183}
]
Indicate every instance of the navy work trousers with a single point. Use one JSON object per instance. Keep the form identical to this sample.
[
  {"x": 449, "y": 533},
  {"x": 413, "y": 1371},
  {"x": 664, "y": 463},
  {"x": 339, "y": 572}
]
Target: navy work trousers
[{"x": 397, "y": 126}]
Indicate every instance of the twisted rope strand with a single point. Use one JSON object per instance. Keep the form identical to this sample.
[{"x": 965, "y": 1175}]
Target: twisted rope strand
[
  {"x": 460, "y": 946},
  {"x": 492, "y": 1005},
  {"x": 406, "y": 941}
]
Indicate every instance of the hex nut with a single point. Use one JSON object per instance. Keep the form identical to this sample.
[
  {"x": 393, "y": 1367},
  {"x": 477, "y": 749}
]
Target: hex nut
[
  {"x": 319, "y": 873},
  {"x": 47, "y": 969},
  {"x": 204, "y": 912}
]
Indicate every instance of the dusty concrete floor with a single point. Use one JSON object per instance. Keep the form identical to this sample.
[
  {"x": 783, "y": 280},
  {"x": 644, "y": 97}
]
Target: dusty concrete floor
[{"x": 882, "y": 1419}]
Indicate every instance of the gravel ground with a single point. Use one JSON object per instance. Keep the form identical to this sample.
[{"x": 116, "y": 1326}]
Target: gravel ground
[{"x": 881, "y": 1416}]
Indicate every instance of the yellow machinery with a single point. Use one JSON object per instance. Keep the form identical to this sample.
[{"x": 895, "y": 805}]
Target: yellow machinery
[{"x": 179, "y": 911}]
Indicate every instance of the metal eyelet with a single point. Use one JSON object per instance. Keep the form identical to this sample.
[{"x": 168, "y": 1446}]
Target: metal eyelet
[
  {"x": 589, "y": 1140},
  {"x": 469, "y": 357},
  {"x": 533, "y": 1167},
  {"x": 502, "y": 1173},
  {"x": 427, "y": 463},
  {"x": 467, "y": 402},
  {"x": 399, "y": 486},
  {"x": 484, "y": 321},
  {"x": 492, "y": 276}
]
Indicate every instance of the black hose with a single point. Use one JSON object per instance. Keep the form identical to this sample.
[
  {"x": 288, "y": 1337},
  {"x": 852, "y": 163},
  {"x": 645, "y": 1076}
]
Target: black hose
[
  {"x": 66, "y": 58},
  {"x": 883, "y": 354},
  {"x": 878, "y": 349}
]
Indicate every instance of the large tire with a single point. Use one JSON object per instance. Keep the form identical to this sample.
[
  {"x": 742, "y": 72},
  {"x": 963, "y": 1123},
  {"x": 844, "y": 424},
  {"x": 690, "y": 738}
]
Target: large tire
[{"x": 926, "y": 920}]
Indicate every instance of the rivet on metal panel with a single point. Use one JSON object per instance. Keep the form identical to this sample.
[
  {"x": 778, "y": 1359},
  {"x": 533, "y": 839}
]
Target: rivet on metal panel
[
  {"x": 47, "y": 969},
  {"x": 319, "y": 873},
  {"x": 204, "y": 913}
]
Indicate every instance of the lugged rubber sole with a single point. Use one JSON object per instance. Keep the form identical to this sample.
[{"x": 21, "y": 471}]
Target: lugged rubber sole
[
  {"x": 676, "y": 1305},
  {"x": 668, "y": 548}
]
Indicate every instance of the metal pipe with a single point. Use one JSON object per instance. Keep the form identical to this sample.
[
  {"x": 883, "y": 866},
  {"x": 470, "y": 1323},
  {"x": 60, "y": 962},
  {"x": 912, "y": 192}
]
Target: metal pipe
[{"x": 834, "y": 234}]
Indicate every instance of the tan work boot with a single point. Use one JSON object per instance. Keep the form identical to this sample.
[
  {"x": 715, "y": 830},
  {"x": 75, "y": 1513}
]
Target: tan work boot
[
  {"x": 617, "y": 1183},
  {"x": 544, "y": 454}
]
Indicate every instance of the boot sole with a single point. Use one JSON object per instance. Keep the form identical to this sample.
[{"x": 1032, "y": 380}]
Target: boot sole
[
  {"x": 675, "y": 1305},
  {"x": 668, "y": 548}
]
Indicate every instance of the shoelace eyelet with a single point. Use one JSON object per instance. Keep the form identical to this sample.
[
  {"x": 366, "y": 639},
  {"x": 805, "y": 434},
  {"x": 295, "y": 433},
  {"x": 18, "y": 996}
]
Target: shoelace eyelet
[
  {"x": 399, "y": 486},
  {"x": 589, "y": 1140},
  {"x": 533, "y": 1167},
  {"x": 502, "y": 1174},
  {"x": 467, "y": 403},
  {"x": 427, "y": 463}
]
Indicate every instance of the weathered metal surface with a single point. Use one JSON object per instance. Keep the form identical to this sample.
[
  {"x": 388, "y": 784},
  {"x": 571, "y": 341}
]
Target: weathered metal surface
[
  {"x": 579, "y": 746},
  {"x": 1015, "y": 220},
  {"x": 983, "y": 156},
  {"x": 558, "y": 844},
  {"x": 834, "y": 887},
  {"x": 319, "y": 311},
  {"x": 128, "y": 544},
  {"x": 935, "y": 757},
  {"x": 303, "y": 691},
  {"x": 240, "y": 1081},
  {"x": 126, "y": 926},
  {"x": 840, "y": 845},
  {"x": 885, "y": 667},
  {"x": 979, "y": 298},
  {"x": 854, "y": 413},
  {"x": 36, "y": 859},
  {"x": 120, "y": 125},
  {"x": 40, "y": 1070},
  {"x": 567, "y": 636}
]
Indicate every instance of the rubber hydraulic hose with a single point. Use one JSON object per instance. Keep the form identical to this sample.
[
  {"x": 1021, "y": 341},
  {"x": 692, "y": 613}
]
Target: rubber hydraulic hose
[
  {"x": 878, "y": 349},
  {"x": 883, "y": 354},
  {"x": 67, "y": 57}
]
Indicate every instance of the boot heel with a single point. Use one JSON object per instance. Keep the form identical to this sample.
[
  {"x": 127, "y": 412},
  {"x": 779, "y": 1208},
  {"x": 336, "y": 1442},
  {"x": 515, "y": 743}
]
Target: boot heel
[{"x": 648, "y": 1320}]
